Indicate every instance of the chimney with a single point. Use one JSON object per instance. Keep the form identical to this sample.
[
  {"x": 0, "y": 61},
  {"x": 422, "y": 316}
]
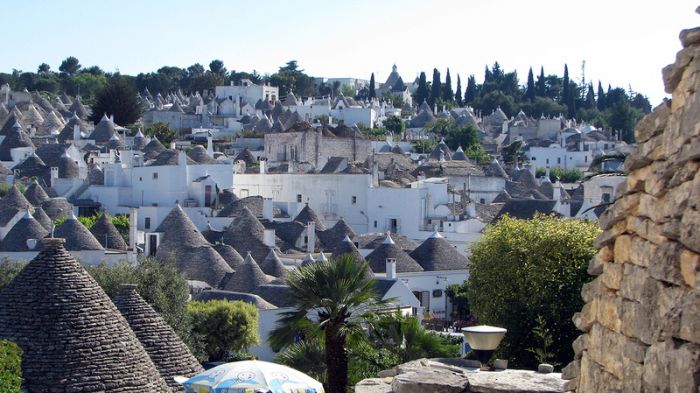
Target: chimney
[
  {"x": 546, "y": 175},
  {"x": 32, "y": 132},
  {"x": 471, "y": 209},
  {"x": 310, "y": 236},
  {"x": 269, "y": 237},
  {"x": 290, "y": 167},
  {"x": 133, "y": 220},
  {"x": 263, "y": 166},
  {"x": 375, "y": 174},
  {"x": 54, "y": 174},
  {"x": 267, "y": 209},
  {"x": 210, "y": 145},
  {"x": 391, "y": 268},
  {"x": 76, "y": 132}
]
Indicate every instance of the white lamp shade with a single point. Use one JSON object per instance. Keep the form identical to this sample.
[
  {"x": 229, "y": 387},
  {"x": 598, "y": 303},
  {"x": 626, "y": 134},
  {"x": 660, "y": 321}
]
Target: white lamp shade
[{"x": 484, "y": 337}]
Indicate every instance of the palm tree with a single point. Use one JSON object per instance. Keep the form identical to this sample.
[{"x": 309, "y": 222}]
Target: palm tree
[{"x": 338, "y": 292}]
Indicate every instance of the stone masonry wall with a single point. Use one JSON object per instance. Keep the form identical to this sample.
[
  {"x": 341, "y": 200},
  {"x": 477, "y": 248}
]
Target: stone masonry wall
[{"x": 641, "y": 320}]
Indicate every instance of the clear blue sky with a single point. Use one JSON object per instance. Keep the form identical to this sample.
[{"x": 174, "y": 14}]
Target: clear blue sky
[{"x": 623, "y": 41}]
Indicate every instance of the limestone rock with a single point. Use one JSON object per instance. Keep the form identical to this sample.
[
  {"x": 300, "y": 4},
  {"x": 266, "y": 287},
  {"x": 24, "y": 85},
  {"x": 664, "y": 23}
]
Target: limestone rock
[
  {"x": 374, "y": 385},
  {"x": 422, "y": 381},
  {"x": 510, "y": 381}
]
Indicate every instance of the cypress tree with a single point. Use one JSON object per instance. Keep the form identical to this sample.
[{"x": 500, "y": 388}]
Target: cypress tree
[
  {"x": 541, "y": 87},
  {"x": 436, "y": 88},
  {"x": 470, "y": 91},
  {"x": 458, "y": 93},
  {"x": 530, "y": 92},
  {"x": 422, "y": 90},
  {"x": 372, "y": 93},
  {"x": 590, "y": 97},
  {"x": 601, "y": 97},
  {"x": 565, "y": 87},
  {"x": 447, "y": 94}
]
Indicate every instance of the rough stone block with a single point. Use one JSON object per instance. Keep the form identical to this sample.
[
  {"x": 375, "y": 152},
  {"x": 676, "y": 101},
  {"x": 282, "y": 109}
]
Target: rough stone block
[
  {"x": 683, "y": 368},
  {"x": 634, "y": 350},
  {"x": 608, "y": 312},
  {"x": 690, "y": 265},
  {"x": 606, "y": 349},
  {"x": 666, "y": 266},
  {"x": 636, "y": 284},
  {"x": 632, "y": 376},
  {"x": 571, "y": 371},
  {"x": 690, "y": 318},
  {"x": 591, "y": 289},
  {"x": 580, "y": 344},
  {"x": 690, "y": 229},
  {"x": 609, "y": 235},
  {"x": 420, "y": 381},
  {"x": 690, "y": 37},
  {"x": 584, "y": 320},
  {"x": 636, "y": 321},
  {"x": 374, "y": 385},
  {"x": 623, "y": 247},
  {"x": 642, "y": 251},
  {"x": 612, "y": 275}
]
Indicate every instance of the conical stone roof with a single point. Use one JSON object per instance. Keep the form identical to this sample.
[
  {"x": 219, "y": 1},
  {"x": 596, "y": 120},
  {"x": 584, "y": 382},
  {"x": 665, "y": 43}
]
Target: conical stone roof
[
  {"x": 192, "y": 254},
  {"x": 199, "y": 155},
  {"x": 436, "y": 254},
  {"x": 32, "y": 117},
  {"x": 230, "y": 255},
  {"x": 79, "y": 109},
  {"x": 77, "y": 237},
  {"x": 9, "y": 124},
  {"x": 153, "y": 149},
  {"x": 272, "y": 265},
  {"x": 247, "y": 278},
  {"x": 246, "y": 234},
  {"x": 72, "y": 336},
  {"x": 67, "y": 131},
  {"x": 389, "y": 249},
  {"x": 104, "y": 130},
  {"x": 24, "y": 229},
  {"x": 15, "y": 138},
  {"x": 107, "y": 234},
  {"x": 35, "y": 194},
  {"x": 307, "y": 215},
  {"x": 169, "y": 354},
  {"x": 139, "y": 141},
  {"x": 336, "y": 234},
  {"x": 41, "y": 217},
  {"x": 347, "y": 247},
  {"x": 11, "y": 204},
  {"x": 57, "y": 207}
]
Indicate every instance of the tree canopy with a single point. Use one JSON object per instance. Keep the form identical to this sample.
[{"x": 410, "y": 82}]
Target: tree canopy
[
  {"x": 526, "y": 274},
  {"x": 222, "y": 327},
  {"x": 118, "y": 98}
]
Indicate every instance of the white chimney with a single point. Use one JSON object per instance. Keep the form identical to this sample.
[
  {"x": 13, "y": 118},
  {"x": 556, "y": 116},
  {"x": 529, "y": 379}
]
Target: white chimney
[
  {"x": 310, "y": 236},
  {"x": 375, "y": 174},
  {"x": 133, "y": 220},
  {"x": 76, "y": 132},
  {"x": 263, "y": 166},
  {"x": 54, "y": 174},
  {"x": 391, "y": 268},
  {"x": 210, "y": 145},
  {"x": 267, "y": 211},
  {"x": 471, "y": 209},
  {"x": 269, "y": 237},
  {"x": 290, "y": 167}
]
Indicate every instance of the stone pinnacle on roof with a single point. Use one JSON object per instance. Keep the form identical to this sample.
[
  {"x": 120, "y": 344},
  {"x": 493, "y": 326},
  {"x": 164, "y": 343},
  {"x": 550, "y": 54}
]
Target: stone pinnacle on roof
[
  {"x": 169, "y": 354},
  {"x": 308, "y": 259},
  {"x": 107, "y": 234},
  {"x": 72, "y": 336},
  {"x": 321, "y": 257},
  {"x": 347, "y": 247},
  {"x": 307, "y": 215},
  {"x": 104, "y": 130}
]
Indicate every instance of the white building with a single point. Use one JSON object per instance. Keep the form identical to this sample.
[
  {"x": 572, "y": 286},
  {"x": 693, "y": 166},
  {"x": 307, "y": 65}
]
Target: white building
[{"x": 247, "y": 91}]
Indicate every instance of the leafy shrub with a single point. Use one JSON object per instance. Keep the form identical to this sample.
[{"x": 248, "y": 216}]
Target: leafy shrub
[
  {"x": 10, "y": 367},
  {"x": 564, "y": 175},
  {"x": 222, "y": 327},
  {"x": 523, "y": 270},
  {"x": 9, "y": 269}
]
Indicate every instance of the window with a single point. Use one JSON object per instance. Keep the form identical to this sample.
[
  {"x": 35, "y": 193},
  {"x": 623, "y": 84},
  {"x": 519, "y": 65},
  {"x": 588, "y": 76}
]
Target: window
[
  {"x": 354, "y": 199},
  {"x": 606, "y": 197},
  {"x": 140, "y": 178},
  {"x": 534, "y": 159},
  {"x": 155, "y": 175},
  {"x": 548, "y": 161},
  {"x": 299, "y": 198},
  {"x": 585, "y": 159},
  {"x": 558, "y": 160},
  {"x": 482, "y": 201},
  {"x": 375, "y": 223},
  {"x": 147, "y": 224}
]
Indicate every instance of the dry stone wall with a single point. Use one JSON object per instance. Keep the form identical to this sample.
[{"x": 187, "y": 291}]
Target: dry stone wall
[{"x": 641, "y": 320}]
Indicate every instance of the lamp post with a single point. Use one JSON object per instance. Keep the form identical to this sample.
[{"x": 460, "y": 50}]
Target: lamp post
[{"x": 484, "y": 340}]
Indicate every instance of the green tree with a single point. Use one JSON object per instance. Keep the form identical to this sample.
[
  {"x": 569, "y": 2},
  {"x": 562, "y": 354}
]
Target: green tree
[
  {"x": 395, "y": 125},
  {"x": 459, "y": 297},
  {"x": 435, "y": 88},
  {"x": 565, "y": 86},
  {"x": 161, "y": 131},
  {"x": 223, "y": 327},
  {"x": 217, "y": 67},
  {"x": 541, "y": 84},
  {"x": 372, "y": 92},
  {"x": 530, "y": 92},
  {"x": 335, "y": 292},
  {"x": 470, "y": 92},
  {"x": 290, "y": 78},
  {"x": 89, "y": 85},
  {"x": 159, "y": 283},
  {"x": 524, "y": 269},
  {"x": 70, "y": 66},
  {"x": 9, "y": 269},
  {"x": 44, "y": 69},
  {"x": 118, "y": 98},
  {"x": 422, "y": 89},
  {"x": 458, "y": 92},
  {"x": 10, "y": 367},
  {"x": 447, "y": 94},
  {"x": 558, "y": 173},
  {"x": 601, "y": 97}
]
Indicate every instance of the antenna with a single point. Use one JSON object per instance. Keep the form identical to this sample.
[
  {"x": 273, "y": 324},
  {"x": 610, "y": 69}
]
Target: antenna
[{"x": 583, "y": 73}]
